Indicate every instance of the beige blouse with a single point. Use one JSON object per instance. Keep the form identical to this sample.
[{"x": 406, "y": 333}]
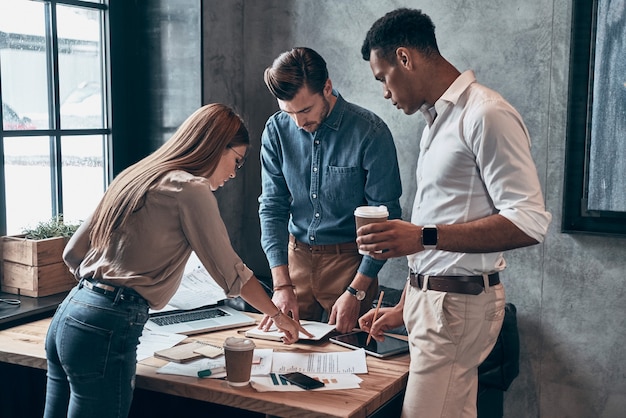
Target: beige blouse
[{"x": 149, "y": 254}]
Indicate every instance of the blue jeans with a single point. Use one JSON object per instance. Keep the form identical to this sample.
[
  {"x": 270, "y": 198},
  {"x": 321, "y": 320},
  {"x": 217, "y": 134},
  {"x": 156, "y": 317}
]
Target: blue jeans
[{"x": 91, "y": 347}]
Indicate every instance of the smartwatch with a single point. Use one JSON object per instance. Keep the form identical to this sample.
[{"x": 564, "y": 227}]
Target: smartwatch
[
  {"x": 429, "y": 237},
  {"x": 358, "y": 294}
]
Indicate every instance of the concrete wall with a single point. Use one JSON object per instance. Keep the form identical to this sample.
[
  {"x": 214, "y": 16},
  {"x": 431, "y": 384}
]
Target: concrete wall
[{"x": 569, "y": 290}]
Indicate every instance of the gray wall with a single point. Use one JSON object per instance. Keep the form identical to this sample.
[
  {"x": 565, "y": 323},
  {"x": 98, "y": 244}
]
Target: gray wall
[{"x": 569, "y": 290}]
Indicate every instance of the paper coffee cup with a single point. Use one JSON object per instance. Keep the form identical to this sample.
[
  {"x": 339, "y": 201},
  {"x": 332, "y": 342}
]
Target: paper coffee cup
[
  {"x": 364, "y": 215},
  {"x": 238, "y": 353}
]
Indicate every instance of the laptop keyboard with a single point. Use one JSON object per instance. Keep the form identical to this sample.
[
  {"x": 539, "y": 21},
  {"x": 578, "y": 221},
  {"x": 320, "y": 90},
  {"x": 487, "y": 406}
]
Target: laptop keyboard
[{"x": 177, "y": 318}]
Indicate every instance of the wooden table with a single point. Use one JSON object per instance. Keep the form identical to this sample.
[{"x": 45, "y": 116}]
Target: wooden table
[{"x": 24, "y": 345}]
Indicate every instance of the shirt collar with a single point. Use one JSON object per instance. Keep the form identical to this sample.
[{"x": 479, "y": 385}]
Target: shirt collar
[
  {"x": 457, "y": 88},
  {"x": 333, "y": 120},
  {"x": 451, "y": 95}
]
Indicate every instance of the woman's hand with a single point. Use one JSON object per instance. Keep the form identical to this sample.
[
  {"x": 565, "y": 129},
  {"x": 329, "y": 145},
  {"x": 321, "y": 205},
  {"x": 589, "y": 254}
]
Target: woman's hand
[
  {"x": 285, "y": 300},
  {"x": 289, "y": 327},
  {"x": 253, "y": 293}
]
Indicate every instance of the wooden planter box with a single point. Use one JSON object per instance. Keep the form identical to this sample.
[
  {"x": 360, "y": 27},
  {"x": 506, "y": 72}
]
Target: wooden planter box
[{"x": 34, "y": 267}]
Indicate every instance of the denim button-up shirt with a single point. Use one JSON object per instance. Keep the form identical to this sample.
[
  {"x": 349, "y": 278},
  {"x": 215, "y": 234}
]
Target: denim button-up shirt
[{"x": 312, "y": 182}]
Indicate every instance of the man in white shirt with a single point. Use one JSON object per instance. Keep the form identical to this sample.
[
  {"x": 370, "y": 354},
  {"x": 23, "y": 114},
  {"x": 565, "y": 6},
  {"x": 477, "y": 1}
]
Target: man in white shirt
[{"x": 477, "y": 195}]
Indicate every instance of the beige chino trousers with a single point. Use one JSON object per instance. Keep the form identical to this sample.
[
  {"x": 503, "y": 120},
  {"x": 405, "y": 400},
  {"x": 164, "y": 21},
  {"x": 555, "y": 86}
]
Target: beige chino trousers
[
  {"x": 321, "y": 278},
  {"x": 450, "y": 335}
]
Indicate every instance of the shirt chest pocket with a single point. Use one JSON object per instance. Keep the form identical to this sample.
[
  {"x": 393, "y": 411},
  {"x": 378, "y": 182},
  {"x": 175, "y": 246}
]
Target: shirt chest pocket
[{"x": 343, "y": 183}]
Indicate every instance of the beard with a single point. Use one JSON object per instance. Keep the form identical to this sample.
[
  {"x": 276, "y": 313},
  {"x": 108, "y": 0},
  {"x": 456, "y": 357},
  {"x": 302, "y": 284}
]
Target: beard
[{"x": 314, "y": 126}]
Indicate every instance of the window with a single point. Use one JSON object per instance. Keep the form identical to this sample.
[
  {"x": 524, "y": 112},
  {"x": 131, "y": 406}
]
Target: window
[
  {"x": 55, "y": 133},
  {"x": 594, "y": 198}
]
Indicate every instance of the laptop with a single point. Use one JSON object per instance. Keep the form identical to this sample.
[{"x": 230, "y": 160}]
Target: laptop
[{"x": 200, "y": 320}]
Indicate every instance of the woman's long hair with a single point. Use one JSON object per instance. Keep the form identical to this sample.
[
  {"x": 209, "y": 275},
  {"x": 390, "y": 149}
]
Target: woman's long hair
[{"x": 196, "y": 147}]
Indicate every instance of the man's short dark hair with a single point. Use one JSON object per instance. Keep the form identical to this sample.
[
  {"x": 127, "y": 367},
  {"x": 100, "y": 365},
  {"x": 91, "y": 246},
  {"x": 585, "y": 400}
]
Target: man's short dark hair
[
  {"x": 402, "y": 27},
  {"x": 295, "y": 69}
]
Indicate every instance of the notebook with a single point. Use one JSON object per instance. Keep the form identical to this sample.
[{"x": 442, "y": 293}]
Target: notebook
[
  {"x": 198, "y": 320},
  {"x": 318, "y": 329}
]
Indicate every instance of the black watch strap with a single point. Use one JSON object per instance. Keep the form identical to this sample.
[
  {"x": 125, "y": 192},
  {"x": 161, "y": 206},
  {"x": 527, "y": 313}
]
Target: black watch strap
[{"x": 358, "y": 294}]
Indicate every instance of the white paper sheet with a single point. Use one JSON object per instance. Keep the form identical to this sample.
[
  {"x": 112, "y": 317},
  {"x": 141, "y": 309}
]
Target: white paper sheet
[
  {"x": 196, "y": 289},
  {"x": 318, "y": 329},
  {"x": 151, "y": 341},
  {"x": 332, "y": 363}
]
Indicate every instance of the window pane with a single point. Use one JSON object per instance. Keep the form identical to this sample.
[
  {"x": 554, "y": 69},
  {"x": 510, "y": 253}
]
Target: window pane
[
  {"x": 23, "y": 65},
  {"x": 607, "y": 168},
  {"x": 80, "y": 67},
  {"x": 28, "y": 182},
  {"x": 83, "y": 175}
]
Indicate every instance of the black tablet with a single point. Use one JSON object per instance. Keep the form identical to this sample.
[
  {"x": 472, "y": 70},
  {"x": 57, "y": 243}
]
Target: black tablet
[{"x": 357, "y": 339}]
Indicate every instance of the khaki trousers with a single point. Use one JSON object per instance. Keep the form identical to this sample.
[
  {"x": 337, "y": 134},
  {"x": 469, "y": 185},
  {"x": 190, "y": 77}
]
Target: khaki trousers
[
  {"x": 320, "y": 279},
  {"x": 450, "y": 335}
]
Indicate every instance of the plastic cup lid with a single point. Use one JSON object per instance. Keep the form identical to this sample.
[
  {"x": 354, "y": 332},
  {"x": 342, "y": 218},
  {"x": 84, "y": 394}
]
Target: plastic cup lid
[
  {"x": 239, "y": 344},
  {"x": 371, "y": 211}
]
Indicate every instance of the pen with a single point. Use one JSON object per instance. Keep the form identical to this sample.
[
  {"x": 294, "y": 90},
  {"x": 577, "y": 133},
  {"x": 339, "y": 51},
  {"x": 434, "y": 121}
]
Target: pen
[
  {"x": 369, "y": 334},
  {"x": 209, "y": 372}
]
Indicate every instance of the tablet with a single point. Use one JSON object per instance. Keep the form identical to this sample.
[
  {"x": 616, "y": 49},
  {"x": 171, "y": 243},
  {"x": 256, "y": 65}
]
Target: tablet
[{"x": 357, "y": 339}]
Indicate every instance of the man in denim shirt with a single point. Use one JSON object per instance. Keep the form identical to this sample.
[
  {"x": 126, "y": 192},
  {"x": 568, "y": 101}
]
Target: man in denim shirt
[{"x": 321, "y": 157}]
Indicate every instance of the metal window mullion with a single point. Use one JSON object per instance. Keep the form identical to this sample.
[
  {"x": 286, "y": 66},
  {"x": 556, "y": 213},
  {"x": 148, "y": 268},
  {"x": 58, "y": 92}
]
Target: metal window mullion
[
  {"x": 3, "y": 194},
  {"x": 107, "y": 140},
  {"x": 56, "y": 161}
]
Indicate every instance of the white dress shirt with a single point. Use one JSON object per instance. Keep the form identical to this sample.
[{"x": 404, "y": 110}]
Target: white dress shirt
[{"x": 474, "y": 162}]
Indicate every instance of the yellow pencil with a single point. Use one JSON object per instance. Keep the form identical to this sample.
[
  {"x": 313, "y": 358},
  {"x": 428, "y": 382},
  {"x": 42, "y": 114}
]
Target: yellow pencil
[{"x": 369, "y": 334}]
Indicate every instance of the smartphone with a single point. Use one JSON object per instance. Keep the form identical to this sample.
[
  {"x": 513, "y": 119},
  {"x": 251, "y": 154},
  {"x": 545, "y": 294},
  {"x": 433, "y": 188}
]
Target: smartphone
[{"x": 302, "y": 380}]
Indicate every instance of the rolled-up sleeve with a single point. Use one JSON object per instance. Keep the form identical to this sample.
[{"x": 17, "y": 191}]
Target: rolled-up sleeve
[{"x": 509, "y": 173}]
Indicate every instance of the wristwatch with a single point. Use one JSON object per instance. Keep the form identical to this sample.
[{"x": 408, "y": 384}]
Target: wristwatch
[
  {"x": 429, "y": 237},
  {"x": 358, "y": 294}
]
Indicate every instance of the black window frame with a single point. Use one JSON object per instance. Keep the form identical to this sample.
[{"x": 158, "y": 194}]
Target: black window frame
[{"x": 576, "y": 217}]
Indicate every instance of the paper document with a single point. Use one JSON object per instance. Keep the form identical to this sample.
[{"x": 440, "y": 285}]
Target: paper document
[
  {"x": 197, "y": 288},
  {"x": 335, "y": 362},
  {"x": 151, "y": 341},
  {"x": 318, "y": 329}
]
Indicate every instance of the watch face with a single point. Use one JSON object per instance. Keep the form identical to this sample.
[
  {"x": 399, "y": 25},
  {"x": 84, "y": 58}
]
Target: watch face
[
  {"x": 358, "y": 294},
  {"x": 429, "y": 236}
]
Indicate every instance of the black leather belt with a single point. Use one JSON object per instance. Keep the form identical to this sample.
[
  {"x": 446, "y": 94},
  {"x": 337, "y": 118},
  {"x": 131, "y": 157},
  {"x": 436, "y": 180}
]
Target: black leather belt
[
  {"x": 467, "y": 285},
  {"x": 115, "y": 293}
]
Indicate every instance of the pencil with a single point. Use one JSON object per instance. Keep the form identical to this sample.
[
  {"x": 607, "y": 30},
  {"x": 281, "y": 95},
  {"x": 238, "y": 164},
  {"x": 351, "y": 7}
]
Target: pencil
[{"x": 369, "y": 334}]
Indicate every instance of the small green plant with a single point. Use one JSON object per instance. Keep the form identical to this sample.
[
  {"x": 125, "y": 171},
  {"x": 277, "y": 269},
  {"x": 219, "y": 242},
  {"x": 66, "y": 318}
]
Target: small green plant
[{"x": 55, "y": 227}]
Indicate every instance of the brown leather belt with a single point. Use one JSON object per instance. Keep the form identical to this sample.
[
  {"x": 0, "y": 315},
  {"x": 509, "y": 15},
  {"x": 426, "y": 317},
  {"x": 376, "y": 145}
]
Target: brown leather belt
[
  {"x": 343, "y": 248},
  {"x": 467, "y": 285}
]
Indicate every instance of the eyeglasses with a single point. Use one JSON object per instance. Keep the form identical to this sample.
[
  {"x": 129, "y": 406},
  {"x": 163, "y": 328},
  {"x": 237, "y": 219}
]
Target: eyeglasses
[{"x": 242, "y": 158}]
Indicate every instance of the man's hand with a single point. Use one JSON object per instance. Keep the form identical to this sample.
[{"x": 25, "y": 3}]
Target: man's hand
[
  {"x": 345, "y": 313},
  {"x": 388, "y": 318},
  {"x": 395, "y": 238}
]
